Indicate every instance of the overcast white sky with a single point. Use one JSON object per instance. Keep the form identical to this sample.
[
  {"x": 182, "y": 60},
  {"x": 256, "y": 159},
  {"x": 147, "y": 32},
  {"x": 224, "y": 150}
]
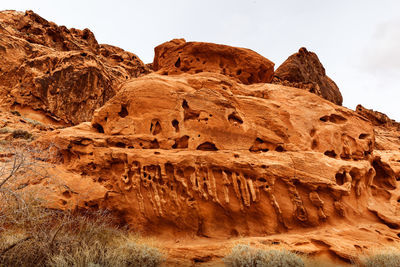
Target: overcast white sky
[{"x": 358, "y": 41}]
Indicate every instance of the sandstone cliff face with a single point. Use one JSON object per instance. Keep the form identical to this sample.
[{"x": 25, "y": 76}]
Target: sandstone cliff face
[
  {"x": 178, "y": 56},
  {"x": 63, "y": 72},
  {"x": 304, "y": 70},
  {"x": 205, "y": 146},
  {"x": 203, "y": 155}
]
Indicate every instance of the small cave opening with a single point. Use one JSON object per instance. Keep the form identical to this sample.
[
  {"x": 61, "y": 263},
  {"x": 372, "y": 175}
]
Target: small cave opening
[
  {"x": 385, "y": 177},
  {"x": 178, "y": 62},
  {"x": 175, "y": 124},
  {"x": 339, "y": 178},
  {"x": 124, "y": 112},
  {"x": 182, "y": 142},
  {"x": 185, "y": 104},
  {"x": 120, "y": 145},
  {"x": 98, "y": 127},
  {"x": 363, "y": 136},
  {"x": 324, "y": 118},
  {"x": 234, "y": 117},
  {"x": 155, "y": 127},
  {"x": 207, "y": 146},
  {"x": 154, "y": 144},
  {"x": 330, "y": 153}
]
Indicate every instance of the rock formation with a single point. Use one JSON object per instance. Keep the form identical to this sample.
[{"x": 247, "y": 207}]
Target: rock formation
[
  {"x": 203, "y": 155},
  {"x": 63, "y": 72},
  {"x": 304, "y": 70},
  {"x": 204, "y": 146},
  {"x": 178, "y": 56}
]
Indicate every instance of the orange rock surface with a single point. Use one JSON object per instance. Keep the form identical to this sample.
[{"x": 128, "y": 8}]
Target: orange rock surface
[
  {"x": 304, "y": 70},
  {"x": 63, "y": 72},
  {"x": 202, "y": 161},
  {"x": 178, "y": 56}
]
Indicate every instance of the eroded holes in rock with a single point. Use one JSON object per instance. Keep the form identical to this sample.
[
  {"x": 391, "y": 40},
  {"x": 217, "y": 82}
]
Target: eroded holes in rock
[
  {"x": 182, "y": 142},
  {"x": 124, "y": 112},
  {"x": 330, "y": 153},
  {"x": 175, "y": 124},
  {"x": 189, "y": 114},
  {"x": 67, "y": 194},
  {"x": 83, "y": 54},
  {"x": 260, "y": 146},
  {"x": 154, "y": 144},
  {"x": 238, "y": 72},
  {"x": 207, "y": 146},
  {"x": 324, "y": 118},
  {"x": 314, "y": 144},
  {"x": 202, "y": 259},
  {"x": 155, "y": 127},
  {"x": 398, "y": 235},
  {"x": 198, "y": 71},
  {"x": 235, "y": 118},
  {"x": 236, "y": 156},
  {"x": 178, "y": 62},
  {"x": 279, "y": 148},
  {"x": 120, "y": 144},
  {"x": 385, "y": 176},
  {"x": 266, "y": 186},
  {"x": 262, "y": 180},
  {"x": 98, "y": 127},
  {"x": 339, "y": 178},
  {"x": 251, "y": 79},
  {"x": 363, "y": 136},
  {"x": 334, "y": 118}
]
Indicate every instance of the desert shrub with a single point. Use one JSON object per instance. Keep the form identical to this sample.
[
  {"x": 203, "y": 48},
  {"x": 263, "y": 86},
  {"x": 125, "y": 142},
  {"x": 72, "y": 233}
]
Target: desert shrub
[
  {"x": 21, "y": 134},
  {"x": 387, "y": 259},
  {"x": 5, "y": 130},
  {"x": 33, "y": 235},
  {"x": 33, "y": 122},
  {"x": 245, "y": 256},
  {"x": 15, "y": 112}
]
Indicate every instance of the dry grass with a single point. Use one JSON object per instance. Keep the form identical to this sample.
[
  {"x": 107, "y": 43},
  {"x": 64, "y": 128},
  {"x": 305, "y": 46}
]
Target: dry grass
[
  {"x": 33, "y": 235},
  {"x": 385, "y": 258},
  {"x": 245, "y": 256}
]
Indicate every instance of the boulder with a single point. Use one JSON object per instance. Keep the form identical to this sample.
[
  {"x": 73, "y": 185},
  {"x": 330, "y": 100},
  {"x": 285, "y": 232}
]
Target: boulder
[
  {"x": 304, "y": 70},
  {"x": 244, "y": 65},
  {"x": 63, "y": 72}
]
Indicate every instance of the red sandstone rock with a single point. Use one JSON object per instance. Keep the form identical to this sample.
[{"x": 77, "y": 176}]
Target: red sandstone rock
[
  {"x": 304, "y": 70},
  {"x": 63, "y": 72},
  {"x": 189, "y": 156},
  {"x": 178, "y": 56},
  {"x": 204, "y": 156}
]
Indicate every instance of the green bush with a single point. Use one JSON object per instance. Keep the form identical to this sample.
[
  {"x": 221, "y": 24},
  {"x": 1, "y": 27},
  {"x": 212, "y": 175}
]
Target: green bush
[{"x": 245, "y": 256}]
